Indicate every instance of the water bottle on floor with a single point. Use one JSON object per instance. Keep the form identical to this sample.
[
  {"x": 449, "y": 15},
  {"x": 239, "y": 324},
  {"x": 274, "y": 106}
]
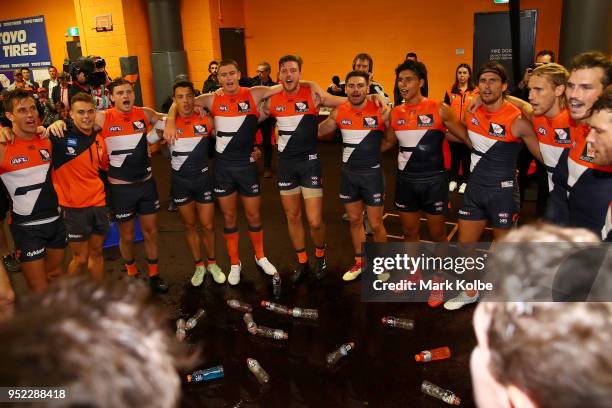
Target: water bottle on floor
[
  {"x": 398, "y": 322},
  {"x": 238, "y": 305},
  {"x": 335, "y": 356},
  {"x": 440, "y": 353},
  {"x": 180, "y": 329},
  {"x": 275, "y": 307},
  {"x": 276, "y": 334},
  {"x": 312, "y": 314},
  {"x": 440, "y": 393},
  {"x": 191, "y": 323},
  {"x": 250, "y": 323},
  {"x": 206, "y": 375},
  {"x": 257, "y": 370}
]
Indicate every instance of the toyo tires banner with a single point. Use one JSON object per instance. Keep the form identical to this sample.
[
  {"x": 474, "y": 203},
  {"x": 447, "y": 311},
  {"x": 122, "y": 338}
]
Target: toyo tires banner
[{"x": 23, "y": 43}]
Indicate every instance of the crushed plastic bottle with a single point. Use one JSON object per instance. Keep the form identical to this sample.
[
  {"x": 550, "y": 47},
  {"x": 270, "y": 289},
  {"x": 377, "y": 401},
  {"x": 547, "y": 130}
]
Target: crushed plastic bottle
[
  {"x": 440, "y": 393},
  {"x": 250, "y": 323},
  {"x": 335, "y": 356},
  {"x": 238, "y": 305},
  {"x": 276, "y": 334},
  {"x": 180, "y": 329},
  {"x": 440, "y": 353},
  {"x": 312, "y": 314},
  {"x": 398, "y": 322},
  {"x": 191, "y": 323},
  {"x": 275, "y": 307},
  {"x": 257, "y": 370},
  {"x": 206, "y": 375},
  {"x": 276, "y": 286}
]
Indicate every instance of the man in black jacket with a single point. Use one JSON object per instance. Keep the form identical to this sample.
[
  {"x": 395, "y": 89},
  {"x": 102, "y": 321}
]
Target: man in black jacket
[
  {"x": 212, "y": 83},
  {"x": 51, "y": 83}
]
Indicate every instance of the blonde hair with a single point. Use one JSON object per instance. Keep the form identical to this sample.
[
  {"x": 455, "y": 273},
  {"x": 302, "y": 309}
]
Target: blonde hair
[{"x": 557, "y": 75}]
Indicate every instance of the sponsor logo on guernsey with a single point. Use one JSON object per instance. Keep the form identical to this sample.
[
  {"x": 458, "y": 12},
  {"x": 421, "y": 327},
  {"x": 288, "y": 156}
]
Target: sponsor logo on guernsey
[
  {"x": 370, "y": 122},
  {"x": 70, "y": 151},
  {"x": 244, "y": 107},
  {"x": 497, "y": 130},
  {"x": 139, "y": 126},
  {"x": 199, "y": 129},
  {"x": 425, "y": 120},
  {"x": 19, "y": 160},
  {"x": 542, "y": 131},
  {"x": 401, "y": 122},
  {"x": 224, "y": 108},
  {"x": 475, "y": 121},
  {"x": 562, "y": 136},
  {"x": 45, "y": 155},
  {"x": 506, "y": 184},
  {"x": 588, "y": 154},
  {"x": 115, "y": 129},
  {"x": 71, "y": 141},
  {"x": 301, "y": 106},
  {"x": 35, "y": 252},
  {"x": 346, "y": 122},
  {"x": 280, "y": 108}
]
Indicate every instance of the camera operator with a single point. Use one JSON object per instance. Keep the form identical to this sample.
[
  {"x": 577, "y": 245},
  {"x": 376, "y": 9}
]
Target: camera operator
[
  {"x": 99, "y": 84},
  {"x": 89, "y": 76}
]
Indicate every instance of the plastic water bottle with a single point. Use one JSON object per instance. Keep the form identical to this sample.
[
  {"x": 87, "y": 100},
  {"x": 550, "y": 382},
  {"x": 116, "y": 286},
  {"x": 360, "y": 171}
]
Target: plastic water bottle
[
  {"x": 275, "y": 307},
  {"x": 335, "y": 356},
  {"x": 276, "y": 334},
  {"x": 312, "y": 314},
  {"x": 191, "y": 323},
  {"x": 206, "y": 375},
  {"x": 440, "y": 353},
  {"x": 180, "y": 329},
  {"x": 258, "y": 371},
  {"x": 276, "y": 286},
  {"x": 238, "y": 305},
  {"x": 440, "y": 393},
  {"x": 250, "y": 323},
  {"x": 398, "y": 322}
]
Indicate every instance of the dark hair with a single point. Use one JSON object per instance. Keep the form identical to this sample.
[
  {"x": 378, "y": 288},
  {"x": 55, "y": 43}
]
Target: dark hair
[
  {"x": 470, "y": 84},
  {"x": 266, "y": 65},
  {"x": 118, "y": 82},
  {"x": 364, "y": 56},
  {"x": 25, "y": 69},
  {"x": 290, "y": 58},
  {"x": 494, "y": 67},
  {"x": 417, "y": 67},
  {"x": 213, "y": 62},
  {"x": 226, "y": 62},
  {"x": 594, "y": 59},
  {"x": 357, "y": 74},
  {"x": 52, "y": 66},
  {"x": 17, "y": 94},
  {"x": 183, "y": 84},
  {"x": 81, "y": 97},
  {"x": 107, "y": 345},
  {"x": 546, "y": 52},
  {"x": 411, "y": 55},
  {"x": 604, "y": 102}
]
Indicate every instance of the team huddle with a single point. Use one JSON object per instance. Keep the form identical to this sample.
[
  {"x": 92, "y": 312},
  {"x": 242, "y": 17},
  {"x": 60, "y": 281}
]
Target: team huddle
[{"x": 60, "y": 167}]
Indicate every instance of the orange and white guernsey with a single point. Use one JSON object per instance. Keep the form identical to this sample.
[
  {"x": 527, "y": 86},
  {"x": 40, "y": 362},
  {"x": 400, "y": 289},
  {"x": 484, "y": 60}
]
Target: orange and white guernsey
[
  {"x": 420, "y": 133},
  {"x": 126, "y": 144},
  {"x": 297, "y": 120},
  {"x": 235, "y": 118},
  {"x": 554, "y": 136},
  {"x": 26, "y": 173},
  {"x": 189, "y": 153},
  {"x": 495, "y": 148},
  {"x": 362, "y": 134}
]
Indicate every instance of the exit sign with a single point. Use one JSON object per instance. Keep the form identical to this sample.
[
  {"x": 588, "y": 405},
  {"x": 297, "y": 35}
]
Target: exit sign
[
  {"x": 73, "y": 31},
  {"x": 501, "y": 1}
]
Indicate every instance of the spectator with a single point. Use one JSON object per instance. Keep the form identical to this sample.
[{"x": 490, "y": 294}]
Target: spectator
[
  {"x": 51, "y": 83},
  {"x": 212, "y": 83},
  {"x": 19, "y": 81},
  {"x": 46, "y": 109},
  {"x": 266, "y": 127},
  {"x": 61, "y": 93},
  {"x": 30, "y": 82},
  {"x": 362, "y": 62},
  {"x": 106, "y": 344},
  {"x": 542, "y": 57}
]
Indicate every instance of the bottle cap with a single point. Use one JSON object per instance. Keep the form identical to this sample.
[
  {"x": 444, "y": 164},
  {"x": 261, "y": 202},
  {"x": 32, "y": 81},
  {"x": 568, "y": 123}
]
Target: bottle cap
[
  {"x": 189, "y": 378},
  {"x": 264, "y": 303}
]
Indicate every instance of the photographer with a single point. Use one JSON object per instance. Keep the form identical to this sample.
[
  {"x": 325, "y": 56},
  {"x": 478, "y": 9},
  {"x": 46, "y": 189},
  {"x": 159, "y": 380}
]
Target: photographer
[{"x": 89, "y": 76}]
